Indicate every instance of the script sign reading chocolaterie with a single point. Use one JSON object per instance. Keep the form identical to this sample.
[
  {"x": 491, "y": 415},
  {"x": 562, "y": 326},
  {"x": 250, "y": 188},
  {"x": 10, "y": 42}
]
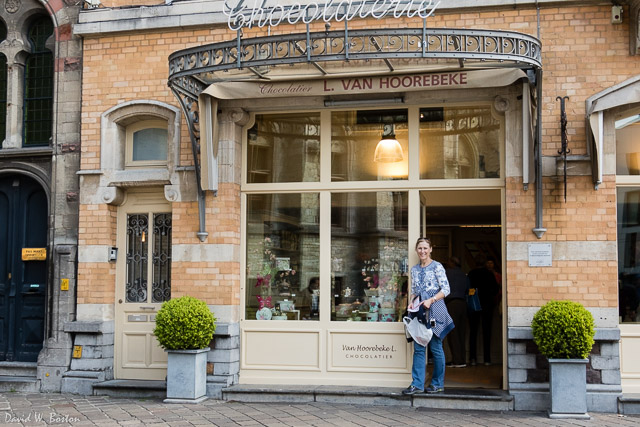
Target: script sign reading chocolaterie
[{"x": 260, "y": 13}]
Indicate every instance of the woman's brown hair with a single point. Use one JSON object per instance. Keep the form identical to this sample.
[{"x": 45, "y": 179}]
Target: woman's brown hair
[{"x": 423, "y": 239}]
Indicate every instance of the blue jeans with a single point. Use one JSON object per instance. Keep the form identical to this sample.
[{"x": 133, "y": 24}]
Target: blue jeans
[{"x": 419, "y": 369}]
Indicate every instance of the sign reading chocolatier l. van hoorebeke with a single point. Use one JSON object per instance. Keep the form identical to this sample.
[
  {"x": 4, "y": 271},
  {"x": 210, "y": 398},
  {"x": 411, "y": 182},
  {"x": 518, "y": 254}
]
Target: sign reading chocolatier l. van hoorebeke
[
  {"x": 260, "y": 13},
  {"x": 369, "y": 350}
]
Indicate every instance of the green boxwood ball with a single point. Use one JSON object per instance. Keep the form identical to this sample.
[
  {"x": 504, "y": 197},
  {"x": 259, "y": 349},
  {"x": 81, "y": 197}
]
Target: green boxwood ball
[
  {"x": 563, "y": 330},
  {"x": 184, "y": 323}
]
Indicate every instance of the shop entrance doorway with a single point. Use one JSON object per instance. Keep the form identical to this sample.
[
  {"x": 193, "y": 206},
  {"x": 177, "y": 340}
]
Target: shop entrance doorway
[
  {"x": 466, "y": 225},
  {"x": 23, "y": 267}
]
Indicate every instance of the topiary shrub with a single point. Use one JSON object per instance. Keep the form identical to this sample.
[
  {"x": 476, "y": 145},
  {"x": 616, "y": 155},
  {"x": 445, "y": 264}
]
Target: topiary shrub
[
  {"x": 563, "y": 330},
  {"x": 184, "y": 323}
]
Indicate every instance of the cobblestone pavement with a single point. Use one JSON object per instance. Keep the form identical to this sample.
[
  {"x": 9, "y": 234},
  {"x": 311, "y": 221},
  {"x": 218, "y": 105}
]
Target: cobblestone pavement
[{"x": 59, "y": 409}]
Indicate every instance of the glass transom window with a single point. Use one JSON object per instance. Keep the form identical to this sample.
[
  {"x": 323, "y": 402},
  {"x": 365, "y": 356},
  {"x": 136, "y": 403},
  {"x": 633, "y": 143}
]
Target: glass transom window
[{"x": 147, "y": 143}]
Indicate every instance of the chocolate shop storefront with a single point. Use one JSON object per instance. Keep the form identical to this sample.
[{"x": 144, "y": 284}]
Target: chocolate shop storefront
[
  {"x": 305, "y": 159},
  {"x": 352, "y": 143}
]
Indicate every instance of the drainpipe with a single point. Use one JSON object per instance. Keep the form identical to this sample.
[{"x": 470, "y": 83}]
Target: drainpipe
[{"x": 539, "y": 230}]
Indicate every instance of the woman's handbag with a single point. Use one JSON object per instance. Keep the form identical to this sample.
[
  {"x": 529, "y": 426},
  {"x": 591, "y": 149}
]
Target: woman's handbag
[
  {"x": 473, "y": 301},
  {"x": 416, "y": 330}
]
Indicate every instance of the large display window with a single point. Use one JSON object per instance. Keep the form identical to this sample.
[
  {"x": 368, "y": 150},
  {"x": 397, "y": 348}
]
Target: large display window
[{"x": 359, "y": 162}]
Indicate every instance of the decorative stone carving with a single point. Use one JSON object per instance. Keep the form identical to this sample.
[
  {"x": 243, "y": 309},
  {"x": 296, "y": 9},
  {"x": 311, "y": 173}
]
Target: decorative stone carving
[
  {"x": 112, "y": 195},
  {"x": 238, "y": 116},
  {"x": 12, "y": 6},
  {"x": 500, "y": 104}
]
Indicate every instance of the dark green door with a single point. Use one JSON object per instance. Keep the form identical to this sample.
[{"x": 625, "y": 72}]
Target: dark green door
[{"x": 23, "y": 283}]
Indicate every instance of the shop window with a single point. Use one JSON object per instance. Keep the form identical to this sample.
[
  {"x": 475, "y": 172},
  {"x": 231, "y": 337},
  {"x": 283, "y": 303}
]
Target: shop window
[
  {"x": 355, "y": 137},
  {"x": 283, "y": 249},
  {"x": 627, "y": 147},
  {"x": 147, "y": 144},
  {"x": 369, "y": 257},
  {"x": 284, "y": 148},
  {"x": 38, "y": 92},
  {"x": 459, "y": 143},
  {"x": 627, "y": 131}
]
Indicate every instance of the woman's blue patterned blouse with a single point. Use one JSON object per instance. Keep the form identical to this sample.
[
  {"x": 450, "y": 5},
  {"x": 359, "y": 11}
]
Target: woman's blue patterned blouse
[{"x": 428, "y": 281}]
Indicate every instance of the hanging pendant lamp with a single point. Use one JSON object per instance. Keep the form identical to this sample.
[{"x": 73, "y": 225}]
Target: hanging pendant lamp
[{"x": 388, "y": 149}]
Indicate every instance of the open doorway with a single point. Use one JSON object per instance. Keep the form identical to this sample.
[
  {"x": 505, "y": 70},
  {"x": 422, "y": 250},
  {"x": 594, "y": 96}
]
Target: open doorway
[{"x": 466, "y": 225}]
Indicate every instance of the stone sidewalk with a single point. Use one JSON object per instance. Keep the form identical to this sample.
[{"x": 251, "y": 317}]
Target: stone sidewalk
[{"x": 62, "y": 410}]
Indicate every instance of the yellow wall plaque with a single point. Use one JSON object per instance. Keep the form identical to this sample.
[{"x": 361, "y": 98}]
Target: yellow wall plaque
[
  {"x": 34, "y": 254},
  {"x": 77, "y": 351},
  {"x": 64, "y": 284}
]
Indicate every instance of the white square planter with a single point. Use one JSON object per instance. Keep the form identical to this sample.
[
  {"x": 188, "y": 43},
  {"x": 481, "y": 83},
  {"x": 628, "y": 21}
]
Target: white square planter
[
  {"x": 568, "y": 388},
  {"x": 186, "y": 376}
]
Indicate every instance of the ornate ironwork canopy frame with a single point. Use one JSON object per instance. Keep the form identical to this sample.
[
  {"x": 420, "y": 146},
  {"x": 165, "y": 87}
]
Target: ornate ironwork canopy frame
[{"x": 192, "y": 70}]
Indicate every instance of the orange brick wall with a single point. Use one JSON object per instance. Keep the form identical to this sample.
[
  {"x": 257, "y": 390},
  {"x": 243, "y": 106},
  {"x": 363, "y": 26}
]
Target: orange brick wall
[
  {"x": 587, "y": 215},
  {"x": 97, "y": 280}
]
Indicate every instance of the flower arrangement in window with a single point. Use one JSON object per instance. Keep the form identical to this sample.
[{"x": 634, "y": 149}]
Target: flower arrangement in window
[
  {"x": 383, "y": 276},
  {"x": 272, "y": 271}
]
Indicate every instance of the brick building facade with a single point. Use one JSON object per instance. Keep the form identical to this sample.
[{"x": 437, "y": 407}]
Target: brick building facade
[{"x": 126, "y": 46}]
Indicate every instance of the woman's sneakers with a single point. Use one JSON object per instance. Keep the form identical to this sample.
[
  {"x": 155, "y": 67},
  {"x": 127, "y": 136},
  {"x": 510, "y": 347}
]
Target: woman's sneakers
[
  {"x": 411, "y": 390},
  {"x": 431, "y": 389}
]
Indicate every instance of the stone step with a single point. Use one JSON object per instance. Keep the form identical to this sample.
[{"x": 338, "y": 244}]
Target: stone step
[
  {"x": 9, "y": 383},
  {"x": 629, "y": 404},
  {"x": 452, "y": 398},
  {"x": 131, "y": 388},
  {"x": 18, "y": 369}
]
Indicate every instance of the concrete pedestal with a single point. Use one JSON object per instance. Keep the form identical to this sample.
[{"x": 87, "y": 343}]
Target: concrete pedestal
[
  {"x": 186, "y": 376},
  {"x": 568, "y": 388}
]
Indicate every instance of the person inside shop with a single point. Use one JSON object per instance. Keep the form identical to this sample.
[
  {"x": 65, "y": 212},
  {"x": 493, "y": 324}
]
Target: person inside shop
[
  {"x": 491, "y": 266},
  {"x": 456, "y": 303},
  {"x": 429, "y": 287},
  {"x": 484, "y": 281},
  {"x": 310, "y": 299}
]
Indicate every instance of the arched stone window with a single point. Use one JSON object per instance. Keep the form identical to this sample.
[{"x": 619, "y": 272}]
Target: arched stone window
[
  {"x": 3, "y": 85},
  {"x": 38, "y": 85}
]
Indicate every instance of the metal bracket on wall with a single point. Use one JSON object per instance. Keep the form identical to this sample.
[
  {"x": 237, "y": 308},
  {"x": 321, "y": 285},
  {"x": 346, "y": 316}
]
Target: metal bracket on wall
[{"x": 564, "y": 150}]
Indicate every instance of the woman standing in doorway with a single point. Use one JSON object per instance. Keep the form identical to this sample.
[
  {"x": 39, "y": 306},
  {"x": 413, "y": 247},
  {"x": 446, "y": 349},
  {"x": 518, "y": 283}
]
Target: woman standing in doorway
[{"x": 429, "y": 287}]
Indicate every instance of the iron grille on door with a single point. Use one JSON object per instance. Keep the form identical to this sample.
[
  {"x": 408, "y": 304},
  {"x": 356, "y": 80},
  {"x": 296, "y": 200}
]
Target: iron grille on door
[{"x": 138, "y": 258}]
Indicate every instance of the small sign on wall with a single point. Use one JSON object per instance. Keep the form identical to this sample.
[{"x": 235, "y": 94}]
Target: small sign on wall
[
  {"x": 540, "y": 255},
  {"x": 77, "y": 351},
  {"x": 64, "y": 284},
  {"x": 34, "y": 254}
]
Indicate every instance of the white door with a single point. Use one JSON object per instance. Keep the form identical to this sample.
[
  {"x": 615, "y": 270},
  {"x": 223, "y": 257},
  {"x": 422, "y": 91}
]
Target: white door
[{"x": 143, "y": 282}]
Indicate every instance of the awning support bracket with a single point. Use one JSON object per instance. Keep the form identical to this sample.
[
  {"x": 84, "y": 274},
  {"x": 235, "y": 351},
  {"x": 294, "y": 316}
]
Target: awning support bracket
[{"x": 189, "y": 106}]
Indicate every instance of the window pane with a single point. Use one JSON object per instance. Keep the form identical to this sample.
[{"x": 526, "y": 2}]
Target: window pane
[
  {"x": 627, "y": 147},
  {"x": 629, "y": 253},
  {"x": 161, "y": 286},
  {"x": 459, "y": 143},
  {"x": 369, "y": 258},
  {"x": 38, "y": 91},
  {"x": 283, "y": 256},
  {"x": 150, "y": 144},
  {"x": 354, "y": 138},
  {"x": 137, "y": 257},
  {"x": 284, "y": 148},
  {"x": 3, "y": 96}
]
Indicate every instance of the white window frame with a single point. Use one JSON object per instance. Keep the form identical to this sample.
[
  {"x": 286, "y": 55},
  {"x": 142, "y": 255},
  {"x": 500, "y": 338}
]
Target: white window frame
[{"x": 136, "y": 127}]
